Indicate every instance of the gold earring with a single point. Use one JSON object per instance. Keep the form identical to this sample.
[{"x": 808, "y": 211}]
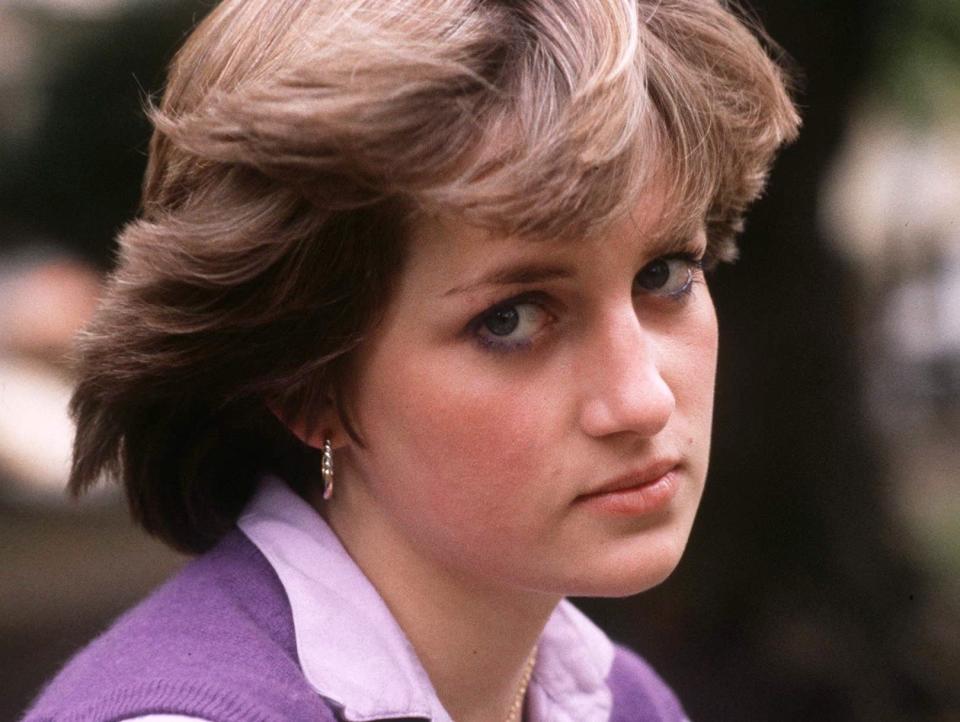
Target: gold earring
[{"x": 326, "y": 468}]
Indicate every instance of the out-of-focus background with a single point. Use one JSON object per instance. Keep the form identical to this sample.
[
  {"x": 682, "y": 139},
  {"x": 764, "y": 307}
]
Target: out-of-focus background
[{"x": 822, "y": 581}]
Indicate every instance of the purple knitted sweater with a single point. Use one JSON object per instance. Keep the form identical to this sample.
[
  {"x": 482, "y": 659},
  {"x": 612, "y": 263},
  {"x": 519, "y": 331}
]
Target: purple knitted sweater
[{"x": 217, "y": 642}]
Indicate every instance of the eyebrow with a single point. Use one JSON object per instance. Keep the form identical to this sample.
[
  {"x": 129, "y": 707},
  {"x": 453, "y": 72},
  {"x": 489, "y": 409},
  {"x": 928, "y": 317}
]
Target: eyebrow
[{"x": 511, "y": 275}]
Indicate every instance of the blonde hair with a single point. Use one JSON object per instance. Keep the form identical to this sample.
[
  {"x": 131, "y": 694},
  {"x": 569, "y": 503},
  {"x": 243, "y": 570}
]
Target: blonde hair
[{"x": 295, "y": 143}]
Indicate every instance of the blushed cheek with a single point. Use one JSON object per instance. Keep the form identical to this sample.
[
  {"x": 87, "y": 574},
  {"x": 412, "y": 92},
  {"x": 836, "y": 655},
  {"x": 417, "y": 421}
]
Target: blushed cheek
[
  {"x": 479, "y": 441},
  {"x": 699, "y": 374}
]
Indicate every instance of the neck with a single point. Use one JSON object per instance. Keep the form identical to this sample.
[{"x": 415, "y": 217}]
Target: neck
[
  {"x": 475, "y": 649},
  {"x": 473, "y": 640}
]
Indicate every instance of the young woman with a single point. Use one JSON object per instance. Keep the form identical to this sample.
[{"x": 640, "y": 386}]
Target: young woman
[{"x": 411, "y": 341}]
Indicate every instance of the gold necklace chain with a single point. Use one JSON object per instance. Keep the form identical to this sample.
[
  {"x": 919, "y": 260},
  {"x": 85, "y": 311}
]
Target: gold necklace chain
[{"x": 516, "y": 709}]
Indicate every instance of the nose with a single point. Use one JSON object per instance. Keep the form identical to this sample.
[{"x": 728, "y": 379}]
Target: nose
[{"x": 623, "y": 388}]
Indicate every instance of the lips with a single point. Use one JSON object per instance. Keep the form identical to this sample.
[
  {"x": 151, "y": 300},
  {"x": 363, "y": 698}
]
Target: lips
[
  {"x": 647, "y": 492},
  {"x": 636, "y": 479}
]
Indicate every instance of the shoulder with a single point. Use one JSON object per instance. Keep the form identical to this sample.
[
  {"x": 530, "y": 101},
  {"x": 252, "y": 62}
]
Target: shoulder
[
  {"x": 639, "y": 693},
  {"x": 214, "y": 642}
]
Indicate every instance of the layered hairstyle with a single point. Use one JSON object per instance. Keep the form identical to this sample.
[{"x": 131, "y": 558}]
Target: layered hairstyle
[{"x": 297, "y": 143}]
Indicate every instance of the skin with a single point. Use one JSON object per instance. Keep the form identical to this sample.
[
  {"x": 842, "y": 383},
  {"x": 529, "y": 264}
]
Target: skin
[{"x": 466, "y": 507}]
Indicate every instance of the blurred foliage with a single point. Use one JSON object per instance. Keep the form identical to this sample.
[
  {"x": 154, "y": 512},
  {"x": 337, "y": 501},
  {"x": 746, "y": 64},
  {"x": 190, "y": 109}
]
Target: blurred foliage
[{"x": 918, "y": 59}]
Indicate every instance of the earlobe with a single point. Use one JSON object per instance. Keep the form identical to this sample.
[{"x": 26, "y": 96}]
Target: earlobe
[
  {"x": 314, "y": 430},
  {"x": 320, "y": 431}
]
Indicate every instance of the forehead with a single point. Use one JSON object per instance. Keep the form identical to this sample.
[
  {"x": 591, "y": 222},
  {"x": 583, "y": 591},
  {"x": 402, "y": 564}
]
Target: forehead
[{"x": 444, "y": 250}]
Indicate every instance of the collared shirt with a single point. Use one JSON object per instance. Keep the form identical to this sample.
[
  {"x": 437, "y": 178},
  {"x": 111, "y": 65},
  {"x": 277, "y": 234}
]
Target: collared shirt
[{"x": 353, "y": 652}]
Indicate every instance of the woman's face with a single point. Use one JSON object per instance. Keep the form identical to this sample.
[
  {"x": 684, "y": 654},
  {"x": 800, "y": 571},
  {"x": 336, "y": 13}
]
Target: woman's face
[{"x": 511, "y": 383}]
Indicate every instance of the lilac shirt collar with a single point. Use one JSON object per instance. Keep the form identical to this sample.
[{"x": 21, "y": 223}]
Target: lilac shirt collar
[{"x": 354, "y": 653}]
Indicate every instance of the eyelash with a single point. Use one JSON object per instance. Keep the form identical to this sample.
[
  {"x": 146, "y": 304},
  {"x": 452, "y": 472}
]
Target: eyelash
[
  {"x": 534, "y": 298},
  {"x": 695, "y": 268},
  {"x": 694, "y": 264}
]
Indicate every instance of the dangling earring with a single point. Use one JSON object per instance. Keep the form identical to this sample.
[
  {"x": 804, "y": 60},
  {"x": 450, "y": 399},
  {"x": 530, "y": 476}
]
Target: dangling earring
[{"x": 326, "y": 468}]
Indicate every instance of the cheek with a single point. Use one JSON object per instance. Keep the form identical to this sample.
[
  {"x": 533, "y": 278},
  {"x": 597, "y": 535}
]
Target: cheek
[
  {"x": 458, "y": 438},
  {"x": 698, "y": 387},
  {"x": 694, "y": 372},
  {"x": 689, "y": 353}
]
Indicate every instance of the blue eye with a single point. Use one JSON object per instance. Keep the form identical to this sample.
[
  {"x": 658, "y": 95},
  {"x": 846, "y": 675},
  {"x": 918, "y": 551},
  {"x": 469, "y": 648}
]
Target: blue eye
[
  {"x": 670, "y": 276},
  {"x": 511, "y": 325}
]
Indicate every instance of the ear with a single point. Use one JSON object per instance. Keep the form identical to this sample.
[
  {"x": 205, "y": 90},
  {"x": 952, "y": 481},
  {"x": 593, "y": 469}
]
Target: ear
[{"x": 313, "y": 428}]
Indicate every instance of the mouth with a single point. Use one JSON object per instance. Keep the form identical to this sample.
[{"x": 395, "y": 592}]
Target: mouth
[{"x": 640, "y": 491}]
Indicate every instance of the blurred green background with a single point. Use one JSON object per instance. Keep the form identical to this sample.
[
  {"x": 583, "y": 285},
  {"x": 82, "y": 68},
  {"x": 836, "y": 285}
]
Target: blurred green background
[{"x": 822, "y": 581}]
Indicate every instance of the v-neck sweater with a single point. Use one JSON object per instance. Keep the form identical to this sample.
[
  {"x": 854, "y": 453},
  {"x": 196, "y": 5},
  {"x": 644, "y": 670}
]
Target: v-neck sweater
[{"x": 277, "y": 623}]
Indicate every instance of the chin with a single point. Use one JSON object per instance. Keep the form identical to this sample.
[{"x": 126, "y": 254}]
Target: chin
[
  {"x": 632, "y": 569},
  {"x": 619, "y": 584}
]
